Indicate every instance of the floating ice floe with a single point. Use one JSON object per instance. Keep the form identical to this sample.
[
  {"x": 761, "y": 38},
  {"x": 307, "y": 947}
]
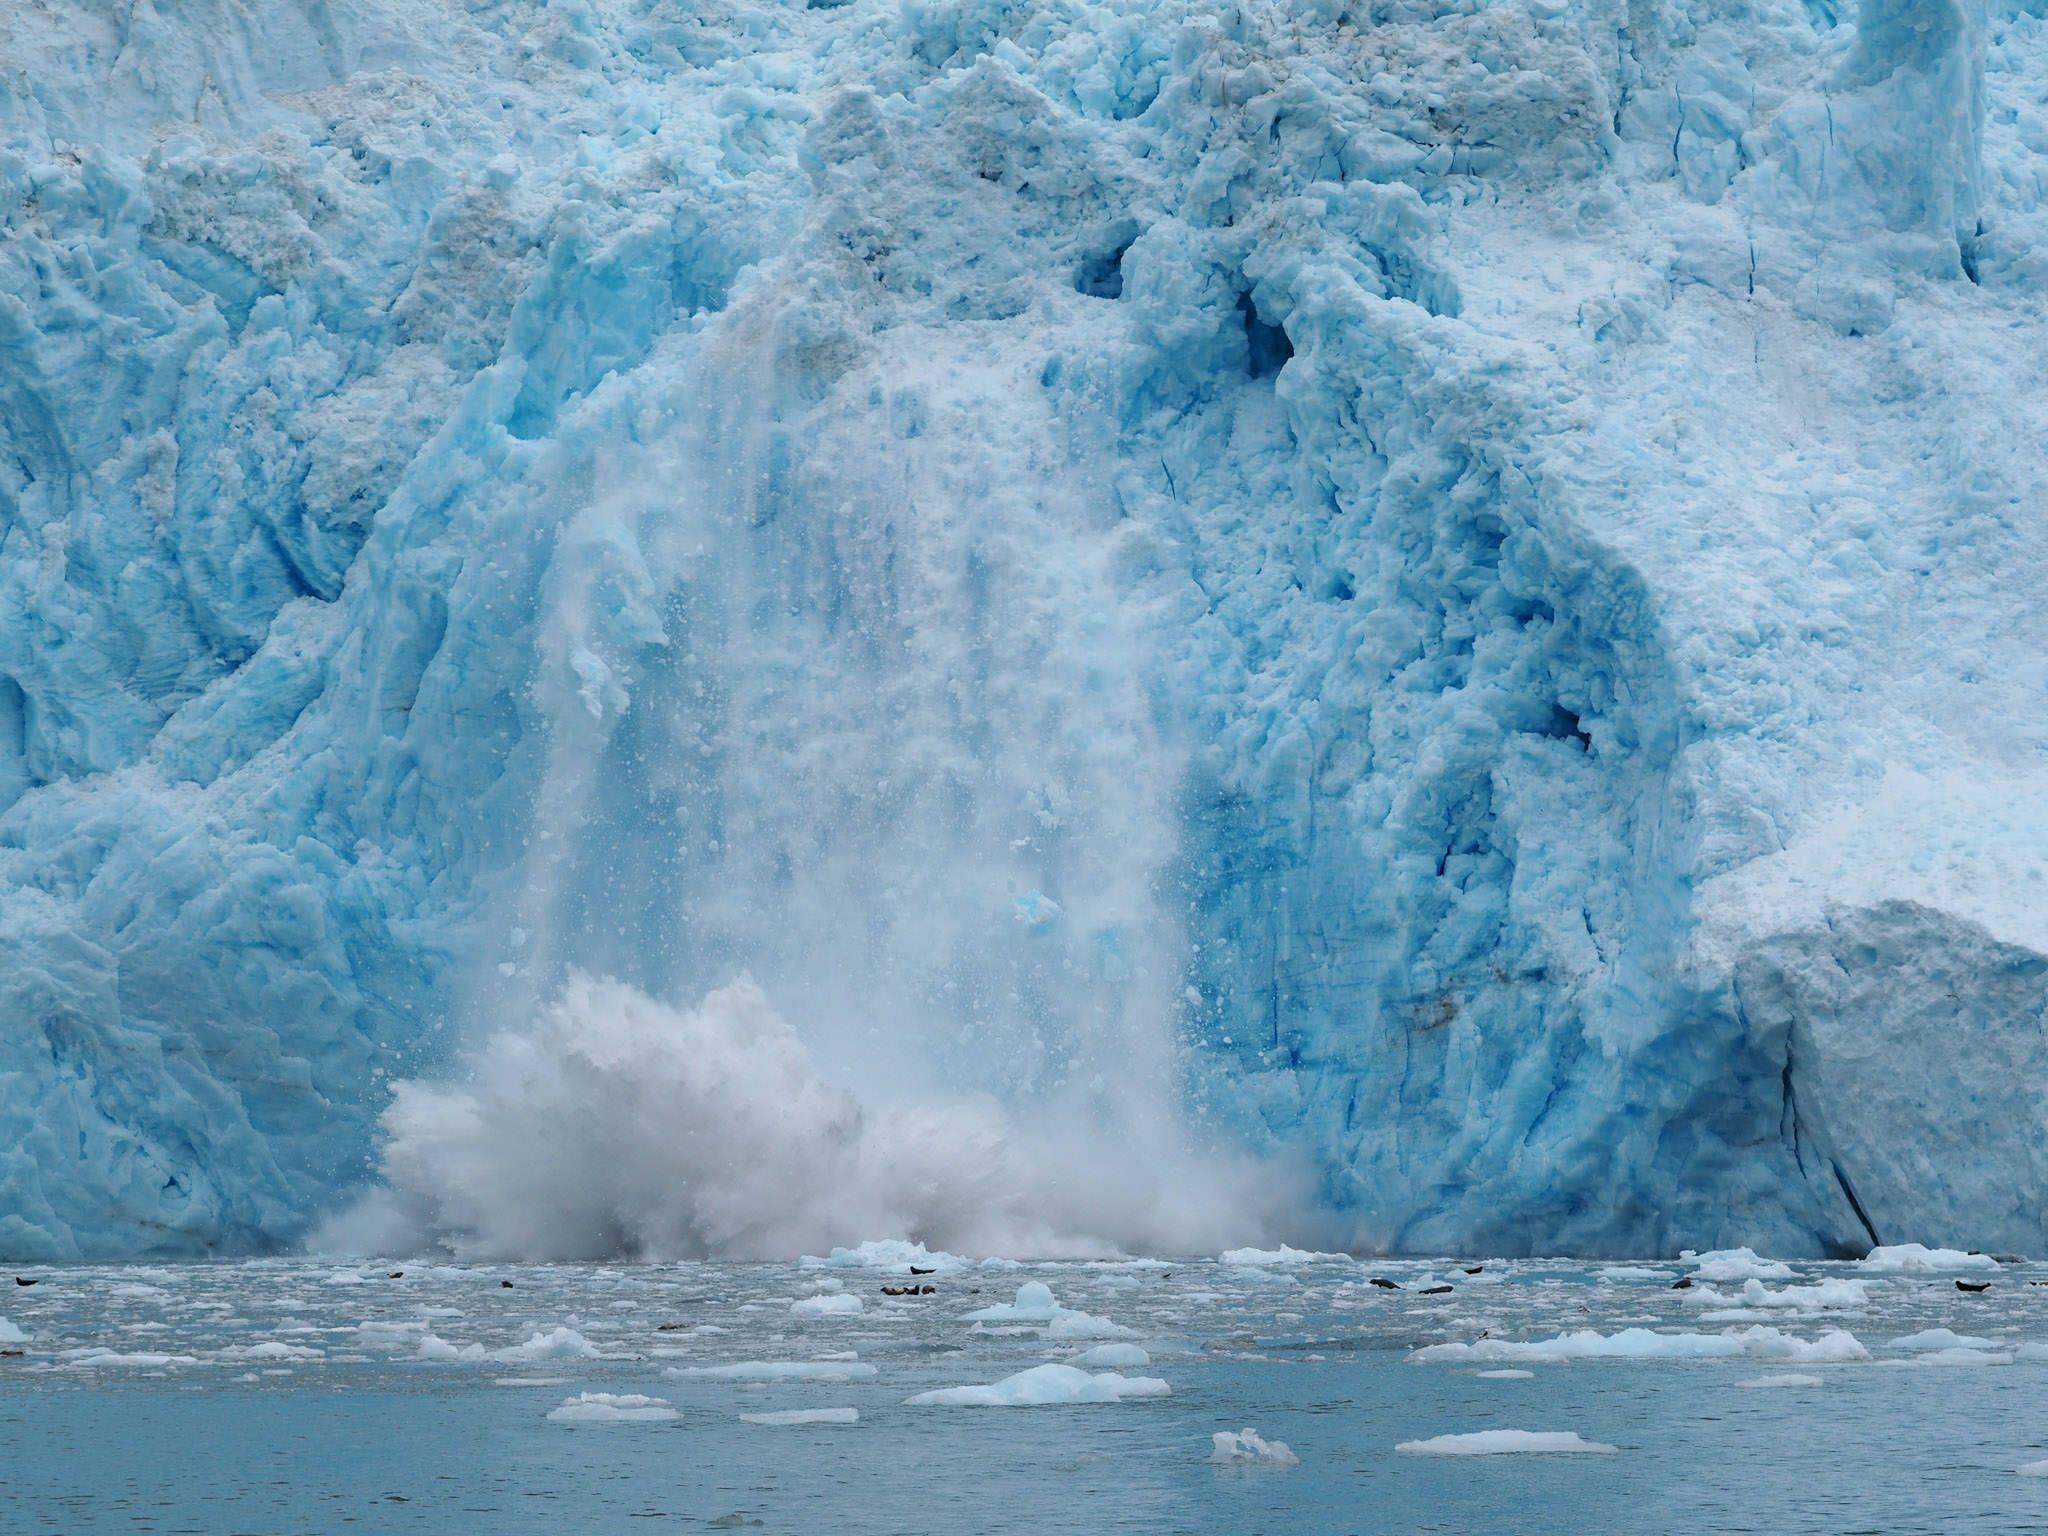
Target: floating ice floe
[
  {"x": 560, "y": 1343},
  {"x": 1046, "y": 1386},
  {"x": 612, "y": 1408},
  {"x": 1248, "y": 1448},
  {"x": 1778, "y": 1379},
  {"x": 804, "y": 1416},
  {"x": 1941, "y": 1338},
  {"x": 139, "y": 1359},
  {"x": 1036, "y": 1306},
  {"x": 2033, "y": 1469},
  {"x": 779, "y": 1370},
  {"x": 435, "y": 1348},
  {"x": 1821, "y": 1296},
  {"x": 1916, "y": 1259},
  {"x": 1963, "y": 1357},
  {"x": 1506, "y": 1442},
  {"x": 831, "y": 1304},
  {"x": 270, "y": 1349},
  {"x": 10, "y": 1334},
  {"x": 1630, "y": 1272},
  {"x": 1644, "y": 1344},
  {"x": 1725, "y": 1264},
  {"x": 891, "y": 1254},
  {"x": 1511, "y": 1373},
  {"x": 1282, "y": 1255},
  {"x": 1111, "y": 1357}
]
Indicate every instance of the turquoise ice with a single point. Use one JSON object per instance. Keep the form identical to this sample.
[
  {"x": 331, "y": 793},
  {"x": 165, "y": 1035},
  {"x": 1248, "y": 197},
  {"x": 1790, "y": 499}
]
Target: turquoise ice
[{"x": 1453, "y": 591}]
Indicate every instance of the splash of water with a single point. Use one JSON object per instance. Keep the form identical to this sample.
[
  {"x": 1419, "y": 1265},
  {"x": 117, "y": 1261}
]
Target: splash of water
[
  {"x": 619, "y": 1126},
  {"x": 862, "y": 715}
]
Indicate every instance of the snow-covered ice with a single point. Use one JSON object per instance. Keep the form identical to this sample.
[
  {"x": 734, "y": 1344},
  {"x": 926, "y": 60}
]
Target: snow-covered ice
[
  {"x": 1647, "y": 1344},
  {"x": 1505, "y": 1442},
  {"x": 1046, "y": 1386},
  {"x": 1918, "y": 1259},
  {"x": 1110, "y": 1357},
  {"x": 613, "y": 1408}
]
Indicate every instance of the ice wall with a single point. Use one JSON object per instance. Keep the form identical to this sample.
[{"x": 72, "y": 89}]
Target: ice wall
[{"x": 1452, "y": 589}]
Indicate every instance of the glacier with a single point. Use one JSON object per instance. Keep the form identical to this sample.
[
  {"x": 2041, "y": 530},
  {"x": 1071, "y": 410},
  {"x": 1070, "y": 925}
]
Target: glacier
[{"x": 1445, "y": 591}]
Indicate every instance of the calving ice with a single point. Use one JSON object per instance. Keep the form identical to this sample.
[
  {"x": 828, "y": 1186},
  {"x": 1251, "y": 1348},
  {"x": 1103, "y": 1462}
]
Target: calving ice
[{"x": 724, "y": 629}]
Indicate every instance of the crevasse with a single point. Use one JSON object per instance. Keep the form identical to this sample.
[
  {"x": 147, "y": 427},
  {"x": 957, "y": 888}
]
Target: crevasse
[{"x": 1453, "y": 589}]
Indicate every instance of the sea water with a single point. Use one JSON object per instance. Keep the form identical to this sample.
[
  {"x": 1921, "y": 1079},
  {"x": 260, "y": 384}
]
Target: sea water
[{"x": 305, "y": 1396}]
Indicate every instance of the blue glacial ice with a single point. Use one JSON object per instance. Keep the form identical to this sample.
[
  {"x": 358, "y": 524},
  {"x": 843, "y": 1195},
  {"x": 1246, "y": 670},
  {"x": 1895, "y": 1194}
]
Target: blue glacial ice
[{"x": 1448, "y": 593}]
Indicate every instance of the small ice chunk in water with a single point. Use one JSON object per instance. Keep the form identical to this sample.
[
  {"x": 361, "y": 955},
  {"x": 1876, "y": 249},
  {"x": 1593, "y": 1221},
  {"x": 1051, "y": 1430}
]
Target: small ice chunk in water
[
  {"x": 9, "y": 1334},
  {"x": 1111, "y": 1357},
  {"x": 1247, "y": 1448},
  {"x": 804, "y": 1416},
  {"x": 1038, "y": 912},
  {"x": 1941, "y": 1338},
  {"x": 1046, "y": 1386},
  {"x": 1283, "y": 1255},
  {"x": 612, "y": 1408},
  {"x": 828, "y": 1305},
  {"x": 1034, "y": 1304},
  {"x": 1505, "y": 1442},
  {"x": 434, "y": 1347},
  {"x": 1779, "y": 1379},
  {"x": 1506, "y": 1375},
  {"x": 1083, "y": 1325},
  {"x": 1726, "y": 1264},
  {"x": 2033, "y": 1469},
  {"x": 1643, "y": 1344},
  {"x": 561, "y": 1343},
  {"x": 1917, "y": 1259},
  {"x": 892, "y": 1254}
]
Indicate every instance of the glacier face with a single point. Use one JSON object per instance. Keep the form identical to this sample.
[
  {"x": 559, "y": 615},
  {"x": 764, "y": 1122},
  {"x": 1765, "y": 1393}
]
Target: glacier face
[{"x": 1455, "y": 585}]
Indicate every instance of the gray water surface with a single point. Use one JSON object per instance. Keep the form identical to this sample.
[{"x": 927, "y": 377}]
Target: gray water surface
[{"x": 294, "y": 1401}]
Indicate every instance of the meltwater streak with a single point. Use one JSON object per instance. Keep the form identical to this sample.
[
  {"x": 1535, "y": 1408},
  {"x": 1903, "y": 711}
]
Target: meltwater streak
[{"x": 855, "y": 717}]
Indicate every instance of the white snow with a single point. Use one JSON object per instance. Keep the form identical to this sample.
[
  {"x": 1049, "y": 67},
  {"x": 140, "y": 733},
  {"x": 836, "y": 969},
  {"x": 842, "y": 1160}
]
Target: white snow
[
  {"x": 1505, "y": 1442},
  {"x": 612, "y": 1408},
  {"x": 1247, "y": 1447},
  {"x": 1046, "y": 1386}
]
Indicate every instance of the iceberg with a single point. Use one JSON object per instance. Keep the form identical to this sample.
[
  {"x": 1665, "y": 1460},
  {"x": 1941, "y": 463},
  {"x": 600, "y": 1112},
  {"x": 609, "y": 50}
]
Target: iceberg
[{"x": 1439, "y": 604}]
